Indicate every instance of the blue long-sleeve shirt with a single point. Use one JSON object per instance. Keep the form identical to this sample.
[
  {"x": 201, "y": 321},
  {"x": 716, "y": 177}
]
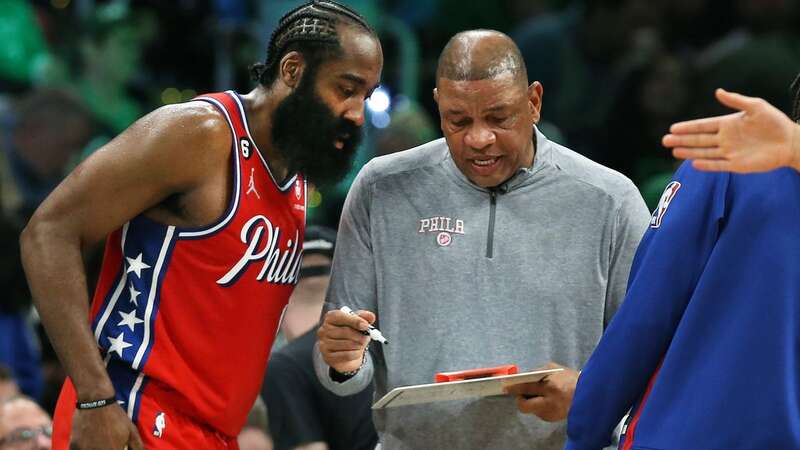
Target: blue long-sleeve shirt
[
  {"x": 20, "y": 352},
  {"x": 706, "y": 346}
]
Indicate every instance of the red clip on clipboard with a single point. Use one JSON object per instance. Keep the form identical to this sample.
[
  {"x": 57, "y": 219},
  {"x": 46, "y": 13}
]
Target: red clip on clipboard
[{"x": 486, "y": 372}]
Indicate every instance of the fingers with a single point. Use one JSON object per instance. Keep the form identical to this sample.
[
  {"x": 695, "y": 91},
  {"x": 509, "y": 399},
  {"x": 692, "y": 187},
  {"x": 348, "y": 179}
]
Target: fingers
[
  {"x": 134, "y": 440},
  {"x": 535, "y": 388},
  {"x": 332, "y": 332},
  {"x": 736, "y": 101},
  {"x": 705, "y": 125},
  {"x": 343, "y": 357},
  {"x": 697, "y": 140},
  {"x": 369, "y": 316},
  {"x": 342, "y": 319},
  {"x": 536, "y": 405},
  {"x": 344, "y": 345}
]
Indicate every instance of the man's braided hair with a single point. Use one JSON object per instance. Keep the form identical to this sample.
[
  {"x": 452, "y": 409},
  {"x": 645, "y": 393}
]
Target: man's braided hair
[
  {"x": 309, "y": 29},
  {"x": 795, "y": 88}
]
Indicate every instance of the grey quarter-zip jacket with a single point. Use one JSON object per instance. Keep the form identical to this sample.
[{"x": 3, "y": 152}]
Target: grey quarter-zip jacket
[{"x": 462, "y": 277}]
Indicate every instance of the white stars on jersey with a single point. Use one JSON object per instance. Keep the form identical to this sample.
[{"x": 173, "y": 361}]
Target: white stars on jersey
[
  {"x": 134, "y": 294},
  {"x": 118, "y": 344},
  {"x": 136, "y": 265},
  {"x": 129, "y": 319}
]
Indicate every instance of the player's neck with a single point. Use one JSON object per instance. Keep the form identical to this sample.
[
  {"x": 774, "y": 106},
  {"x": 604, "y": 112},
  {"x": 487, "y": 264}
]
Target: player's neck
[{"x": 260, "y": 107}]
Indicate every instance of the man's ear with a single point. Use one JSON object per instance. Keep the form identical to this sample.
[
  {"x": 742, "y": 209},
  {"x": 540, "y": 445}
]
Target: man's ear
[
  {"x": 535, "y": 92},
  {"x": 291, "y": 68},
  {"x": 436, "y": 95}
]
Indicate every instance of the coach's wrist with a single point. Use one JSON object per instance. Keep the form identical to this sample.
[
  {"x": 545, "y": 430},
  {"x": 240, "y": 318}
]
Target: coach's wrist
[{"x": 341, "y": 377}]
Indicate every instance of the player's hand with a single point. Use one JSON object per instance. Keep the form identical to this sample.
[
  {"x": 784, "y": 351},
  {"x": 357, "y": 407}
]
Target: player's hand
[
  {"x": 550, "y": 398},
  {"x": 106, "y": 428},
  {"x": 758, "y": 138},
  {"x": 341, "y": 340}
]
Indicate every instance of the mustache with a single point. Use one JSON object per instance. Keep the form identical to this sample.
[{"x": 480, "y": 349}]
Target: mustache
[{"x": 348, "y": 132}]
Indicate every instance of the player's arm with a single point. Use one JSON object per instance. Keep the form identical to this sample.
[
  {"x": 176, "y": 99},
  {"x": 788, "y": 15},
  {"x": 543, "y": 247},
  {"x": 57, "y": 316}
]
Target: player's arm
[
  {"x": 341, "y": 345},
  {"x": 663, "y": 277},
  {"x": 758, "y": 138},
  {"x": 168, "y": 151}
]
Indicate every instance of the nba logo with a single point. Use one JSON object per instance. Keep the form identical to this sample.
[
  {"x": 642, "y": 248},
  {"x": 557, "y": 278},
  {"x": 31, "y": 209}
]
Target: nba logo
[
  {"x": 298, "y": 191},
  {"x": 663, "y": 204},
  {"x": 161, "y": 423}
]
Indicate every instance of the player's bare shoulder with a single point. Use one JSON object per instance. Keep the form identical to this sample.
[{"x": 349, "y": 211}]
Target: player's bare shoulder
[
  {"x": 195, "y": 127},
  {"x": 189, "y": 140}
]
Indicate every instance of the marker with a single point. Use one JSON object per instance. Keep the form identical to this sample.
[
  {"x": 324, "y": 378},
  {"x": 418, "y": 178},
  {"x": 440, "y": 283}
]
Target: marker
[{"x": 373, "y": 333}]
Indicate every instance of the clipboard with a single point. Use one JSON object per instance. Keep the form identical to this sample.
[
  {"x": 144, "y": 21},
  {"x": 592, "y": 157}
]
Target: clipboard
[{"x": 458, "y": 390}]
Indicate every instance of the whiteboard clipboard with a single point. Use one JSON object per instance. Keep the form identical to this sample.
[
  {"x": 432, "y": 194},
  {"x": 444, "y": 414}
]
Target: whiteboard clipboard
[{"x": 457, "y": 390}]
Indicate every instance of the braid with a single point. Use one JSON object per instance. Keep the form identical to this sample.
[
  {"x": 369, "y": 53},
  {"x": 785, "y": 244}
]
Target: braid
[
  {"x": 310, "y": 29},
  {"x": 795, "y": 88}
]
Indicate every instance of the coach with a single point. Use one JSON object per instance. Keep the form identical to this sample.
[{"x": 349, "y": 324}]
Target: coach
[{"x": 491, "y": 246}]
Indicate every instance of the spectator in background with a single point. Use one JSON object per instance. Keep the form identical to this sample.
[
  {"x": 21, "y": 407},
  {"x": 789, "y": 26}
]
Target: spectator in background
[
  {"x": 24, "y": 56},
  {"x": 585, "y": 52},
  {"x": 42, "y": 134},
  {"x": 15, "y": 294},
  {"x": 19, "y": 351},
  {"x": 8, "y": 386},
  {"x": 657, "y": 94},
  {"x": 679, "y": 28},
  {"x": 759, "y": 56},
  {"x": 24, "y": 425},
  {"x": 302, "y": 413},
  {"x": 111, "y": 52},
  {"x": 305, "y": 304},
  {"x": 410, "y": 126},
  {"x": 254, "y": 435}
]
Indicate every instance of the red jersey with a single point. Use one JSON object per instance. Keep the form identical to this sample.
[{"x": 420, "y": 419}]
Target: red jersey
[{"x": 191, "y": 314}]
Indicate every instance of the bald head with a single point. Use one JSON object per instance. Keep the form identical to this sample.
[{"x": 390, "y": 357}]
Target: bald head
[
  {"x": 22, "y": 413},
  {"x": 481, "y": 55}
]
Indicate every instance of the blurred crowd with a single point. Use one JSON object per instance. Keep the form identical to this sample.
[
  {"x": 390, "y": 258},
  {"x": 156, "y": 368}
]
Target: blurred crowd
[{"x": 616, "y": 73}]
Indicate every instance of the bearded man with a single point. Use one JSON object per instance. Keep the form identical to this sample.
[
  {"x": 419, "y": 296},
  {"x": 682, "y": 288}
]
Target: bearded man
[{"x": 203, "y": 217}]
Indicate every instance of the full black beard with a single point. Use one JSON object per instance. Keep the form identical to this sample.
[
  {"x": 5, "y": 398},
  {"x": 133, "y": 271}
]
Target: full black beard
[{"x": 304, "y": 130}]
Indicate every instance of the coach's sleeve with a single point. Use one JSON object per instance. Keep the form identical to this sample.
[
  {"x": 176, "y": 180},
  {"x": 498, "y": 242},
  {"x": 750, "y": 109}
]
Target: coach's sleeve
[
  {"x": 352, "y": 276},
  {"x": 630, "y": 224},
  {"x": 670, "y": 259}
]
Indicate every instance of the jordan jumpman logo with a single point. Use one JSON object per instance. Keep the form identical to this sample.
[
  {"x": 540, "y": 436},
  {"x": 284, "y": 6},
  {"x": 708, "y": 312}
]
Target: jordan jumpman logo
[{"x": 252, "y": 187}]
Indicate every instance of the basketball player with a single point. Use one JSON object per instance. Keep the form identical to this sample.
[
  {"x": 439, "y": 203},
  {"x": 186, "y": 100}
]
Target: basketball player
[
  {"x": 197, "y": 266},
  {"x": 704, "y": 349}
]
